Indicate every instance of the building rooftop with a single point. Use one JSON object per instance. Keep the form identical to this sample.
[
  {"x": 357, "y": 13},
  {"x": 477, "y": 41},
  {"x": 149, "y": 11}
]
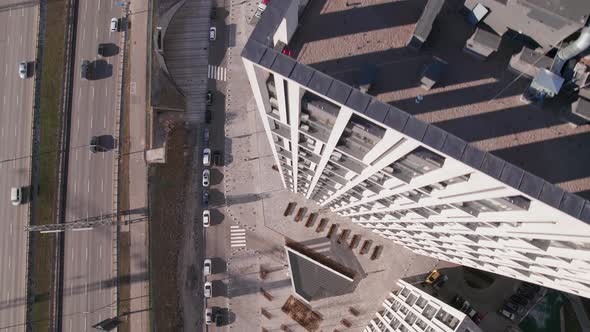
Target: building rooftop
[{"x": 478, "y": 101}]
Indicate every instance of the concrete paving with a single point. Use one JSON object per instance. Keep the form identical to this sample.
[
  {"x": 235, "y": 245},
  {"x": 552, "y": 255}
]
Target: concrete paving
[{"x": 139, "y": 291}]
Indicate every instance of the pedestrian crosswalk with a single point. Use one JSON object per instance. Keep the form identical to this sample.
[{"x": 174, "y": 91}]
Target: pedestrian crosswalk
[
  {"x": 237, "y": 237},
  {"x": 217, "y": 73}
]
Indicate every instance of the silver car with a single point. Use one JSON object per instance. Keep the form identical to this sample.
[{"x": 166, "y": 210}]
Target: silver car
[
  {"x": 208, "y": 288},
  {"x": 206, "y": 178},
  {"x": 22, "y": 70}
]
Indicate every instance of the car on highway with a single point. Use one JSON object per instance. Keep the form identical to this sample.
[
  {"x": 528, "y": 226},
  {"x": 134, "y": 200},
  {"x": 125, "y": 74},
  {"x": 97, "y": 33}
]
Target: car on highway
[
  {"x": 208, "y": 289},
  {"x": 212, "y": 33},
  {"x": 85, "y": 70},
  {"x": 209, "y": 98},
  {"x": 207, "y": 267},
  {"x": 208, "y": 316},
  {"x": 94, "y": 144},
  {"x": 205, "y": 199},
  {"x": 206, "y": 218},
  {"x": 206, "y": 156},
  {"x": 114, "y": 24},
  {"x": 206, "y": 178},
  {"x": 22, "y": 70},
  {"x": 16, "y": 195},
  {"x": 208, "y": 116}
]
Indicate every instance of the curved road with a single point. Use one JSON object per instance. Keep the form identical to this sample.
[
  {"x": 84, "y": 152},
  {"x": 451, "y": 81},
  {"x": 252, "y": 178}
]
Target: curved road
[{"x": 18, "y": 37}]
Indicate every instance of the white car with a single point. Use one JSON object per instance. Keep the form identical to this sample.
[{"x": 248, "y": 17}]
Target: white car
[
  {"x": 114, "y": 24},
  {"x": 206, "y": 218},
  {"x": 208, "y": 316},
  {"x": 16, "y": 196},
  {"x": 208, "y": 288},
  {"x": 212, "y": 33},
  {"x": 22, "y": 70},
  {"x": 206, "y": 178},
  {"x": 207, "y": 267},
  {"x": 207, "y": 157}
]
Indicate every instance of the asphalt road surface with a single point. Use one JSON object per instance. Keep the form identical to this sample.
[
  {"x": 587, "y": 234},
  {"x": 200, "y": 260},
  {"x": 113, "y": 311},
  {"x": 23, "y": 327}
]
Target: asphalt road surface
[
  {"x": 18, "y": 37},
  {"x": 89, "y": 275}
]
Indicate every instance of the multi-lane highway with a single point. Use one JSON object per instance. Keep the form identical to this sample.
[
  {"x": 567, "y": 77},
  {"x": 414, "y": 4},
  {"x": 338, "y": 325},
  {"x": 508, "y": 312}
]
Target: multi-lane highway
[
  {"x": 18, "y": 37},
  {"x": 88, "y": 279}
]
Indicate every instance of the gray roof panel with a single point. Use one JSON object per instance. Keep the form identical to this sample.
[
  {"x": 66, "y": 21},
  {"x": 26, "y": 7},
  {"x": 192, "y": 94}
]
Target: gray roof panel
[
  {"x": 320, "y": 82},
  {"x": 339, "y": 91},
  {"x": 473, "y": 156},
  {"x": 454, "y": 146},
  {"x": 283, "y": 65},
  {"x": 531, "y": 185},
  {"x": 268, "y": 58},
  {"x": 377, "y": 110},
  {"x": 415, "y": 128},
  {"x": 434, "y": 137},
  {"x": 585, "y": 215},
  {"x": 551, "y": 195},
  {"x": 302, "y": 74},
  {"x": 396, "y": 119},
  {"x": 358, "y": 101},
  {"x": 572, "y": 204},
  {"x": 512, "y": 175},
  {"x": 492, "y": 165},
  {"x": 253, "y": 51}
]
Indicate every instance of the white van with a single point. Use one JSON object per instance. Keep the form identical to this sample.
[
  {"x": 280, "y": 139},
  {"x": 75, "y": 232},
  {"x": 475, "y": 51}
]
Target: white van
[{"x": 16, "y": 196}]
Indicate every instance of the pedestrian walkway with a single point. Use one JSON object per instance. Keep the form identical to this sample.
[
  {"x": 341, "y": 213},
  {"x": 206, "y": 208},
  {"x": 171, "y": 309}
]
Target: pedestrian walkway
[
  {"x": 217, "y": 73},
  {"x": 237, "y": 237}
]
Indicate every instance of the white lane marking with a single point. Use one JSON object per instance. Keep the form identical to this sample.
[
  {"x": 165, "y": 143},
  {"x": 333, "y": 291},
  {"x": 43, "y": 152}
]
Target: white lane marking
[
  {"x": 84, "y": 32},
  {"x": 10, "y": 229},
  {"x": 112, "y": 4},
  {"x": 78, "y": 125},
  {"x": 101, "y": 185},
  {"x": 76, "y": 154},
  {"x": 100, "y": 257},
  {"x": 8, "y": 39},
  {"x": 72, "y": 254},
  {"x": 4, "y": 100},
  {"x": 70, "y": 323},
  {"x": 8, "y": 297},
  {"x": 87, "y": 253},
  {"x": 5, "y": 69},
  {"x": 17, "y": 100},
  {"x": 75, "y": 187},
  {"x": 104, "y": 122},
  {"x": 92, "y": 90},
  {"x": 96, "y": 33},
  {"x": 238, "y": 245},
  {"x": 21, "y": 39},
  {"x": 9, "y": 261},
  {"x": 14, "y": 131},
  {"x": 91, "y": 120},
  {"x": 86, "y": 6},
  {"x": 106, "y": 91},
  {"x": 88, "y": 185},
  {"x": 98, "y": 7},
  {"x": 10, "y": 12},
  {"x": 23, "y": 11}
]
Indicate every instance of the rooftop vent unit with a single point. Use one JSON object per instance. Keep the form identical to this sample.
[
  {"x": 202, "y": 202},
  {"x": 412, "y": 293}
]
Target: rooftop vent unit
[
  {"x": 545, "y": 84},
  {"x": 482, "y": 44}
]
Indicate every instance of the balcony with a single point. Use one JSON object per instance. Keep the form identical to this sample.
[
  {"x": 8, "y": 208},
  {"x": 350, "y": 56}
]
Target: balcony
[
  {"x": 359, "y": 137},
  {"x": 416, "y": 163},
  {"x": 309, "y": 155},
  {"x": 280, "y": 129},
  {"x": 339, "y": 159}
]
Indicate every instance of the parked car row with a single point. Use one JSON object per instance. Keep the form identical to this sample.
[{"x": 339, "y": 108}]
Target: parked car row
[
  {"x": 517, "y": 304},
  {"x": 464, "y": 306}
]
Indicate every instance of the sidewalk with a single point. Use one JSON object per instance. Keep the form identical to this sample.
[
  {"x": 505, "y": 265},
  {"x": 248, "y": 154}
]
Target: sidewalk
[{"x": 139, "y": 290}]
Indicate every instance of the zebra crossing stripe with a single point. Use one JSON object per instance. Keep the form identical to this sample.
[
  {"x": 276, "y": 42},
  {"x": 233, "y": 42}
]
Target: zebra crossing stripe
[
  {"x": 238, "y": 245},
  {"x": 216, "y": 73}
]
